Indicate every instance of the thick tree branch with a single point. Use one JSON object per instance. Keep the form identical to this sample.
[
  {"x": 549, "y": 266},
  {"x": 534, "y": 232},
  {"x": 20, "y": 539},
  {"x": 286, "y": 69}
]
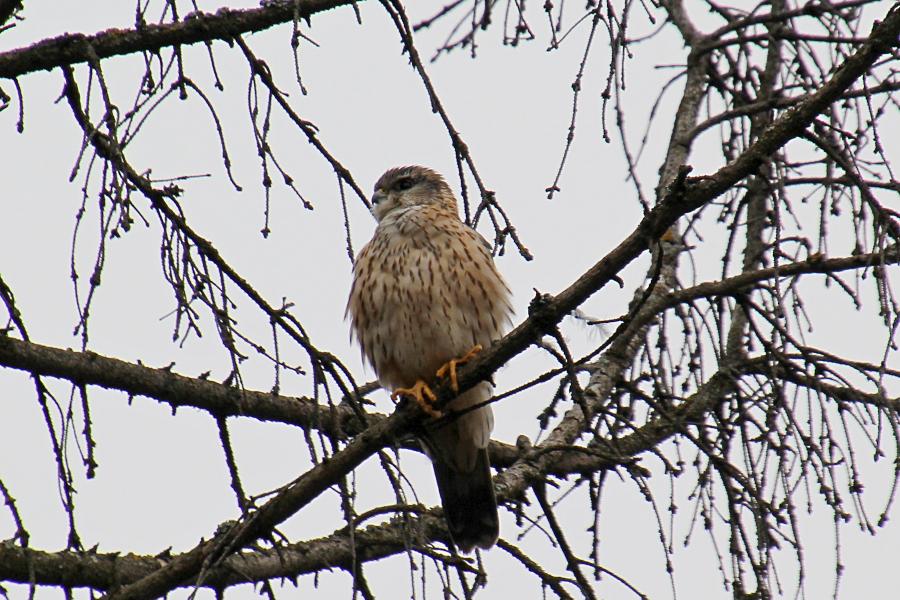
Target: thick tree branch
[
  {"x": 103, "y": 571},
  {"x": 89, "y": 368},
  {"x": 73, "y": 48}
]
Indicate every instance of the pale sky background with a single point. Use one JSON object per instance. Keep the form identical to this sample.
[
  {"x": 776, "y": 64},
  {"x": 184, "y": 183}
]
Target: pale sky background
[{"x": 162, "y": 481}]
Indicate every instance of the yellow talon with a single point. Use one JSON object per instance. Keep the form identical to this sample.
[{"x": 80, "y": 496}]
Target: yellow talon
[
  {"x": 450, "y": 367},
  {"x": 423, "y": 396}
]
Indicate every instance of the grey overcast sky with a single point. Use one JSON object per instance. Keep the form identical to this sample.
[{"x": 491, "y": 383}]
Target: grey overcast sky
[{"x": 162, "y": 481}]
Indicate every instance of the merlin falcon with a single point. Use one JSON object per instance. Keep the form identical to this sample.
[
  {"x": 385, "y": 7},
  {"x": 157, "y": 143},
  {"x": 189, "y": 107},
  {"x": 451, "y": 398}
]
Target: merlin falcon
[{"x": 425, "y": 297}]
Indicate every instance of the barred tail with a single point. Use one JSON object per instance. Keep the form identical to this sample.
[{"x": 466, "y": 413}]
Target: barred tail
[{"x": 470, "y": 506}]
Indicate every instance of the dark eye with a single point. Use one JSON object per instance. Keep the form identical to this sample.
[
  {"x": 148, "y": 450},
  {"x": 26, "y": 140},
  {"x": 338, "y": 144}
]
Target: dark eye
[{"x": 404, "y": 183}]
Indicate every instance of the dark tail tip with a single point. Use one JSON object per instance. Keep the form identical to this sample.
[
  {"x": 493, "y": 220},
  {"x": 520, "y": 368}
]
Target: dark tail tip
[{"x": 470, "y": 507}]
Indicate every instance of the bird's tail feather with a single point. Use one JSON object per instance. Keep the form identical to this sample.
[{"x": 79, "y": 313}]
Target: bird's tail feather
[{"x": 470, "y": 506}]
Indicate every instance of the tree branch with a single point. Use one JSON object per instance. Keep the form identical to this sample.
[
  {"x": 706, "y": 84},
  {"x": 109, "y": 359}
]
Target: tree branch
[
  {"x": 842, "y": 394},
  {"x": 104, "y": 571},
  {"x": 224, "y": 24},
  {"x": 89, "y": 368}
]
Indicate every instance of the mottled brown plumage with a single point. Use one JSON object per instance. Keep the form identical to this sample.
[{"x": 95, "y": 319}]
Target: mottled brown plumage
[{"x": 425, "y": 290}]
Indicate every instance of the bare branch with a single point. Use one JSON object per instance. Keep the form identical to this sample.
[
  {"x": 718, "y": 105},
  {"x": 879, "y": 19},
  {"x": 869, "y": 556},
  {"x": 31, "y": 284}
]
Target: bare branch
[{"x": 73, "y": 48}]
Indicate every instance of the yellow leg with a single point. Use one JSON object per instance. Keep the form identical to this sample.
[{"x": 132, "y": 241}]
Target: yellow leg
[
  {"x": 450, "y": 367},
  {"x": 423, "y": 396}
]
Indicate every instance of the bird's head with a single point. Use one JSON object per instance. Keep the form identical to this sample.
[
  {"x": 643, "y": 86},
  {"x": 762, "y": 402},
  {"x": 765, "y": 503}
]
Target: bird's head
[{"x": 402, "y": 188}]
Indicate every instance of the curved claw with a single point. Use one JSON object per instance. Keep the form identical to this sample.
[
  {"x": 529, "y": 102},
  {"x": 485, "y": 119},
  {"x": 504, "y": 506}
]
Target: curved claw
[
  {"x": 423, "y": 396},
  {"x": 449, "y": 369}
]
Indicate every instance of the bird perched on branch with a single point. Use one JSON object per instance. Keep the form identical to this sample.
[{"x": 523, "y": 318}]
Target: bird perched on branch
[{"x": 426, "y": 297}]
